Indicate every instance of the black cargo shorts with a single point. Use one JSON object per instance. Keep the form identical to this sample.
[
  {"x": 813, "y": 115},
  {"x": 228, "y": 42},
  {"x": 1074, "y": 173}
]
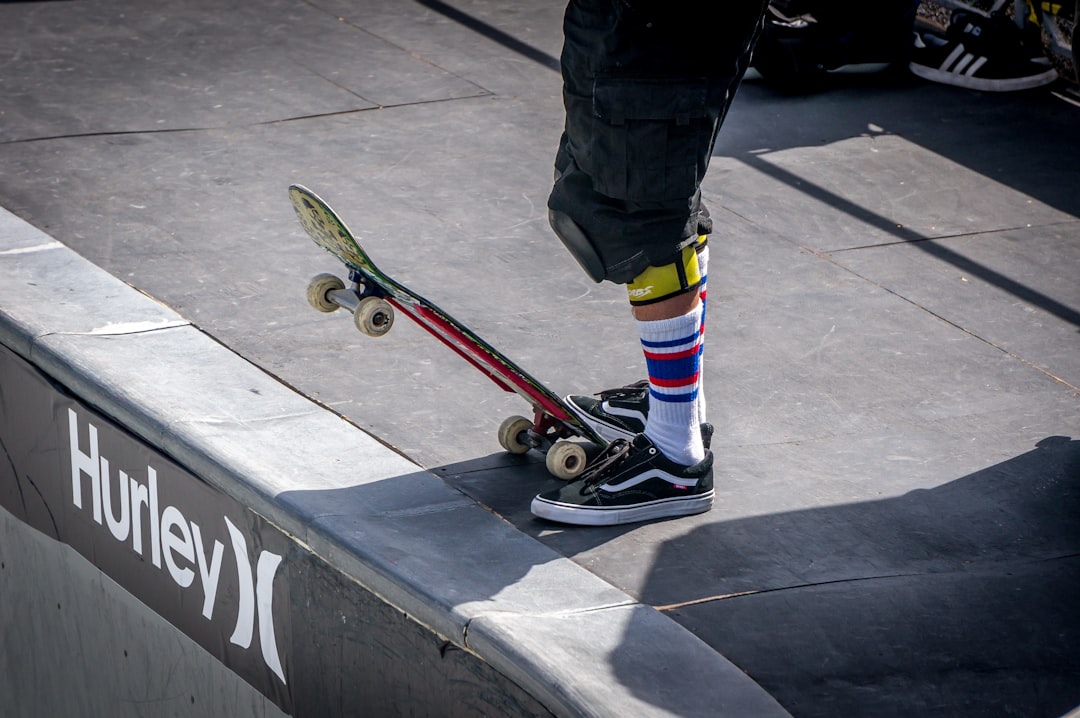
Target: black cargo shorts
[{"x": 646, "y": 86}]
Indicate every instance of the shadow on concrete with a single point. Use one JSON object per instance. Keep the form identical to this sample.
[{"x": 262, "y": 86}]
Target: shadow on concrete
[
  {"x": 959, "y": 600},
  {"x": 888, "y": 226},
  {"x": 1026, "y": 141},
  {"x": 507, "y": 40}
]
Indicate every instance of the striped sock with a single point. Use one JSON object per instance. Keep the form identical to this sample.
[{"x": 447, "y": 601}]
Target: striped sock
[{"x": 673, "y": 356}]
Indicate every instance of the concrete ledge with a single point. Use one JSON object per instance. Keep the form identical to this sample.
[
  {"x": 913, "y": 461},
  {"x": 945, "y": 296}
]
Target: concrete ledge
[{"x": 577, "y": 644}]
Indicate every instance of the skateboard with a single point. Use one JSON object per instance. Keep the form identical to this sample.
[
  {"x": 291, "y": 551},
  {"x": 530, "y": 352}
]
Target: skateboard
[{"x": 374, "y": 299}]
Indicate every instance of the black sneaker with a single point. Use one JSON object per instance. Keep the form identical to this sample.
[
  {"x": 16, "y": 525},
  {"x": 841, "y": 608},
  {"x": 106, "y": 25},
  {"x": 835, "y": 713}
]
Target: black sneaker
[
  {"x": 615, "y": 413},
  {"x": 980, "y": 53},
  {"x": 621, "y": 413},
  {"x": 631, "y": 481}
]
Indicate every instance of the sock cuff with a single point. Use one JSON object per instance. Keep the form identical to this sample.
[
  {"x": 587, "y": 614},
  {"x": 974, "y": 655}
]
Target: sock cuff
[{"x": 671, "y": 336}]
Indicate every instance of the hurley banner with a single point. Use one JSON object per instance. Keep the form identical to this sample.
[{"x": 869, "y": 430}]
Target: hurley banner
[{"x": 203, "y": 562}]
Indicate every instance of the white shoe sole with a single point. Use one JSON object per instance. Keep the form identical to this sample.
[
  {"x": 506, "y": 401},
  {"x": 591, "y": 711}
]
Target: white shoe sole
[
  {"x": 615, "y": 515},
  {"x": 945, "y": 77}
]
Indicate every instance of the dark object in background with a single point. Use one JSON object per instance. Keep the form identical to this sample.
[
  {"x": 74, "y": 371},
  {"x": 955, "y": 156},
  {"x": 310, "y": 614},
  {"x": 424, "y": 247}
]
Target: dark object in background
[{"x": 804, "y": 39}]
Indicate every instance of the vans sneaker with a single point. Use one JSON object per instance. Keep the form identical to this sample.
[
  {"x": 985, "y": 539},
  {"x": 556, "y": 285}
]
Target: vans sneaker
[
  {"x": 620, "y": 413},
  {"x": 631, "y": 481},
  {"x": 614, "y": 413},
  {"x": 980, "y": 53}
]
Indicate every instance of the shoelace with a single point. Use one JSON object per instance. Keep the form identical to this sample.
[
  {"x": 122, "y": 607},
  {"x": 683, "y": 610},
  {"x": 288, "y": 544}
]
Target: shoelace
[
  {"x": 630, "y": 391},
  {"x": 597, "y": 471}
]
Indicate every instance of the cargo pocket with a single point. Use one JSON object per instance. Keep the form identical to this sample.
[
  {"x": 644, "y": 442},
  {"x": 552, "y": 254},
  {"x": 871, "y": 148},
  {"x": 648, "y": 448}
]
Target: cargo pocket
[{"x": 650, "y": 137}]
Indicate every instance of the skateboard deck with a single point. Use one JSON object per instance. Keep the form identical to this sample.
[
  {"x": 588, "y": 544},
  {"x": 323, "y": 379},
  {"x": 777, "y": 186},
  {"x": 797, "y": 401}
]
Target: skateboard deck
[{"x": 374, "y": 298}]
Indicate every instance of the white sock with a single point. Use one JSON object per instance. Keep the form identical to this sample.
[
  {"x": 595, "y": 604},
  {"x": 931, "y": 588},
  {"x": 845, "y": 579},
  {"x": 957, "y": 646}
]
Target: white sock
[{"x": 673, "y": 354}]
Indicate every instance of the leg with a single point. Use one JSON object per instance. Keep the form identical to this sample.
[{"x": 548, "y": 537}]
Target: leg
[
  {"x": 668, "y": 308},
  {"x": 621, "y": 413},
  {"x": 645, "y": 96},
  {"x": 666, "y": 302}
]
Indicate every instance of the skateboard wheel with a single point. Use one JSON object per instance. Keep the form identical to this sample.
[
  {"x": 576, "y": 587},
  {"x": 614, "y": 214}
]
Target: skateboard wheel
[
  {"x": 318, "y": 292},
  {"x": 512, "y": 434},
  {"x": 566, "y": 460},
  {"x": 373, "y": 316}
]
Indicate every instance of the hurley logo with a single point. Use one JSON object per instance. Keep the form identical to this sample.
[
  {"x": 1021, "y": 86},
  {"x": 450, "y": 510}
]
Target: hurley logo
[{"x": 132, "y": 513}]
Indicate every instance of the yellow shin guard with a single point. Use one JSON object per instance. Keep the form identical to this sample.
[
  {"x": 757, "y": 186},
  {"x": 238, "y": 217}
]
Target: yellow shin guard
[{"x": 656, "y": 284}]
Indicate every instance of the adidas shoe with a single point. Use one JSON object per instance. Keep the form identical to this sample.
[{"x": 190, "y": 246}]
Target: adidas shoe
[
  {"x": 631, "y": 481},
  {"x": 979, "y": 53}
]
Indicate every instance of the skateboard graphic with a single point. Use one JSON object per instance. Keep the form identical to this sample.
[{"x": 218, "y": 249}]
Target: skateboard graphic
[{"x": 374, "y": 298}]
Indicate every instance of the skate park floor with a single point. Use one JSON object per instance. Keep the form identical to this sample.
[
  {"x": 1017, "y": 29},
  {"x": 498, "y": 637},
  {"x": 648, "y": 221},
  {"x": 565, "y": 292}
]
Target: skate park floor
[{"x": 892, "y": 360}]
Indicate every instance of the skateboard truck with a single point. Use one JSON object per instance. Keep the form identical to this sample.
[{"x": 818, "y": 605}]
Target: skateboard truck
[
  {"x": 564, "y": 459},
  {"x": 372, "y": 314}
]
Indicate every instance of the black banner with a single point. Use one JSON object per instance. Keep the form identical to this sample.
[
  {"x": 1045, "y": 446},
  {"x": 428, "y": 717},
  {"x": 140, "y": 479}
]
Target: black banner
[{"x": 206, "y": 564}]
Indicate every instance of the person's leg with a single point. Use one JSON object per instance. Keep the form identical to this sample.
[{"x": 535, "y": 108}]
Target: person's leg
[
  {"x": 666, "y": 470},
  {"x": 645, "y": 92},
  {"x": 669, "y": 328},
  {"x": 679, "y": 306},
  {"x": 620, "y": 413},
  {"x": 647, "y": 86}
]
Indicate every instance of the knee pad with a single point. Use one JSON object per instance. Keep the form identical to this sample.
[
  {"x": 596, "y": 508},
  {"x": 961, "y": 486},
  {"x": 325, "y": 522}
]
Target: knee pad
[
  {"x": 656, "y": 284},
  {"x": 574, "y": 239}
]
